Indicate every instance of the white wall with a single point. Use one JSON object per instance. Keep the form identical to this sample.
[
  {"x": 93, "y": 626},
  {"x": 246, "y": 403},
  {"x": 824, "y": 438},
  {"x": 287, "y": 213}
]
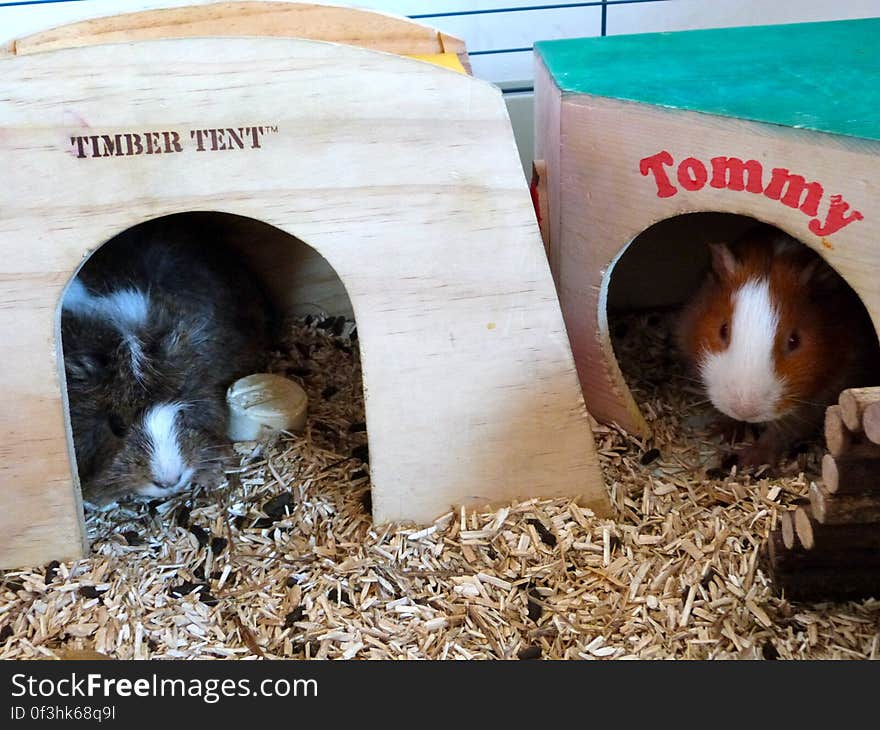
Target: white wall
[{"x": 500, "y": 33}]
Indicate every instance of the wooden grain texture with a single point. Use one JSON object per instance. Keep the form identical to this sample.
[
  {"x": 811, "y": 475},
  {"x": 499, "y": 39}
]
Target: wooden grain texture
[
  {"x": 840, "y": 509},
  {"x": 840, "y": 441},
  {"x": 804, "y": 527},
  {"x": 548, "y": 107},
  {"x": 853, "y": 402},
  {"x": 849, "y": 557},
  {"x": 813, "y": 535},
  {"x": 601, "y": 201},
  {"x": 403, "y": 176},
  {"x": 848, "y": 474},
  {"x": 871, "y": 423},
  {"x": 352, "y": 26},
  {"x": 786, "y": 530}
]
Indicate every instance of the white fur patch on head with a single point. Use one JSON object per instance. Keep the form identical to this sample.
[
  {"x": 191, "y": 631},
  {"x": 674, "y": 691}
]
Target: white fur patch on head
[
  {"x": 741, "y": 381},
  {"x": 77, "y": 300},
  {"x": 126, "y": 309},
  {"x": 168, "y": 467}
]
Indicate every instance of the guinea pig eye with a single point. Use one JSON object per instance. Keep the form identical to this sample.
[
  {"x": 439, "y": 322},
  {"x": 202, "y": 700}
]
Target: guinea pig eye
[
  {"x": 117, "y": 425},
  {"x": 794, "y": 341},
  {"x": 724, "y": 332}
]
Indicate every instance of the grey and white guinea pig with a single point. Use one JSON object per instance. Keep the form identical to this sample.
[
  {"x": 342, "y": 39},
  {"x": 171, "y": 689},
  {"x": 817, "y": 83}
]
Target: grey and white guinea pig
[
  {"x": 154, "y": 328},
  {"x": 774, "y": 335}
]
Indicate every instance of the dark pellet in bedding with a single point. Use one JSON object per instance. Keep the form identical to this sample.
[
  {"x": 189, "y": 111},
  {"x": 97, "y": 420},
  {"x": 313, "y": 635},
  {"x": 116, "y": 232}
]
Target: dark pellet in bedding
[
  {"x": 362, "y": 453},
  {"x": 294, "y": 616},
  {"x": 329, "y": 392},
  {"x": 354, "y": 335},
  {"x": 188, "y": 587},
  {"x": 183, "y": 516},
  {"x": 649, "y": 456},
  {"x": 359, "y": 474},
  {"x": 730, "y": 461},
  {"x": 291, "y": 582},
  {"x": 51, "y": 571},
  {"x": 277, "y": 507},
  {"x": 13, "y": 584},
  {"x": 218, "y": 545},
  {"x": 357, "y": 427},
  {"x": 327, "y": 324},
  {"x": 202, "y": 535},
  {"x": 529, "y": 652},
  {"x": 533, "y": 608},
  {"x": 342, "y": 347},
  {"x": 199, "y": 573},
  {"x": 769, "y": 651},
  {"x": 338, "y": 326},
  {"x": 337, "y": 595},
  {"x": 367, "y": 500},
  {"x": 89, "y": 592},
  {"x": 133, "y": 538},
  {"x": 6, "y": 632},
  {"x": 547, "y": 537}
]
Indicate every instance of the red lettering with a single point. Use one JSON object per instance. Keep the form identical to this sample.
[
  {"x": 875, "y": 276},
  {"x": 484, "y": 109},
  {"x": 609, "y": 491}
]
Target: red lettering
[
  {"x": 730, "y": 173},
  {"x": 654, "y": 164},
  {"x": 794, "y": 187},
  {"x": 836, "y": 218},
  {"x": 692, "y": 174}
]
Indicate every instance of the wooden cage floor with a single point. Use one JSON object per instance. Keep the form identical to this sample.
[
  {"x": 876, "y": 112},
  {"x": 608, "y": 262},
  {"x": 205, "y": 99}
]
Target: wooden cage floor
[{"x": 282, "y": 561}]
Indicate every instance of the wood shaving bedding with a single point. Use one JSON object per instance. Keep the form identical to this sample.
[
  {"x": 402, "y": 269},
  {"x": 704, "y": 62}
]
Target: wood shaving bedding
[{"x": 282, "y": 560}]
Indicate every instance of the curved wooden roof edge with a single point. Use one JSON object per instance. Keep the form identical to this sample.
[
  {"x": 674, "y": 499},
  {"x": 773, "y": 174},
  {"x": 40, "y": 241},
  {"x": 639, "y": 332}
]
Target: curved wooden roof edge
[{"x": 350, "y": 26}]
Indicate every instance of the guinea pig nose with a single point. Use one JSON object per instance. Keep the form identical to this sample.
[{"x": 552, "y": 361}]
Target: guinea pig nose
[{"x": 166, "y": 483}]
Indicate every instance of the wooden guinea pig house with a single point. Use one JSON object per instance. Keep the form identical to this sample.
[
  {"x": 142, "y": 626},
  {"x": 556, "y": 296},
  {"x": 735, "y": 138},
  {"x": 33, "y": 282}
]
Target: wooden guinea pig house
[
  {"x": 777, "y": 123},
  {"x": 402, "y": 178}
]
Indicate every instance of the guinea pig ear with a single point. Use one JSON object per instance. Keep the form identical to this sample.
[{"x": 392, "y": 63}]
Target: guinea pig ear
[
  {"x": 84, "y": 367},
  {"x": 819, "y": 274},
  {"x": 724, "y": 263}
]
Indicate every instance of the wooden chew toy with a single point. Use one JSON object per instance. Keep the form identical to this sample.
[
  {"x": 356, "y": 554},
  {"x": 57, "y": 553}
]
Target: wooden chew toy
[
  {"x": 634, "y": 130},
  {"x": 404, "y": 176},
  {"x": 830, "y": 547}
]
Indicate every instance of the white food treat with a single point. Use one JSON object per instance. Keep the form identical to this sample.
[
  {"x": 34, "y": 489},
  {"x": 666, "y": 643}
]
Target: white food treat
[{"x": 262, "y": 403}]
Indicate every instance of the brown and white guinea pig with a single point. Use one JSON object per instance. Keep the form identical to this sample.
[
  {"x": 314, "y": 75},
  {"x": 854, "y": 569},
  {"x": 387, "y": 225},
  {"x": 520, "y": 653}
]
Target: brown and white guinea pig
[
  {"x": 774, "y": 335},
  {"x": 154, "y": 328}
]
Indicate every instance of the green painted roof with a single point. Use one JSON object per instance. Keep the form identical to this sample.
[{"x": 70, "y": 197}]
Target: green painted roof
[{"x": 822, "y": 76}]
